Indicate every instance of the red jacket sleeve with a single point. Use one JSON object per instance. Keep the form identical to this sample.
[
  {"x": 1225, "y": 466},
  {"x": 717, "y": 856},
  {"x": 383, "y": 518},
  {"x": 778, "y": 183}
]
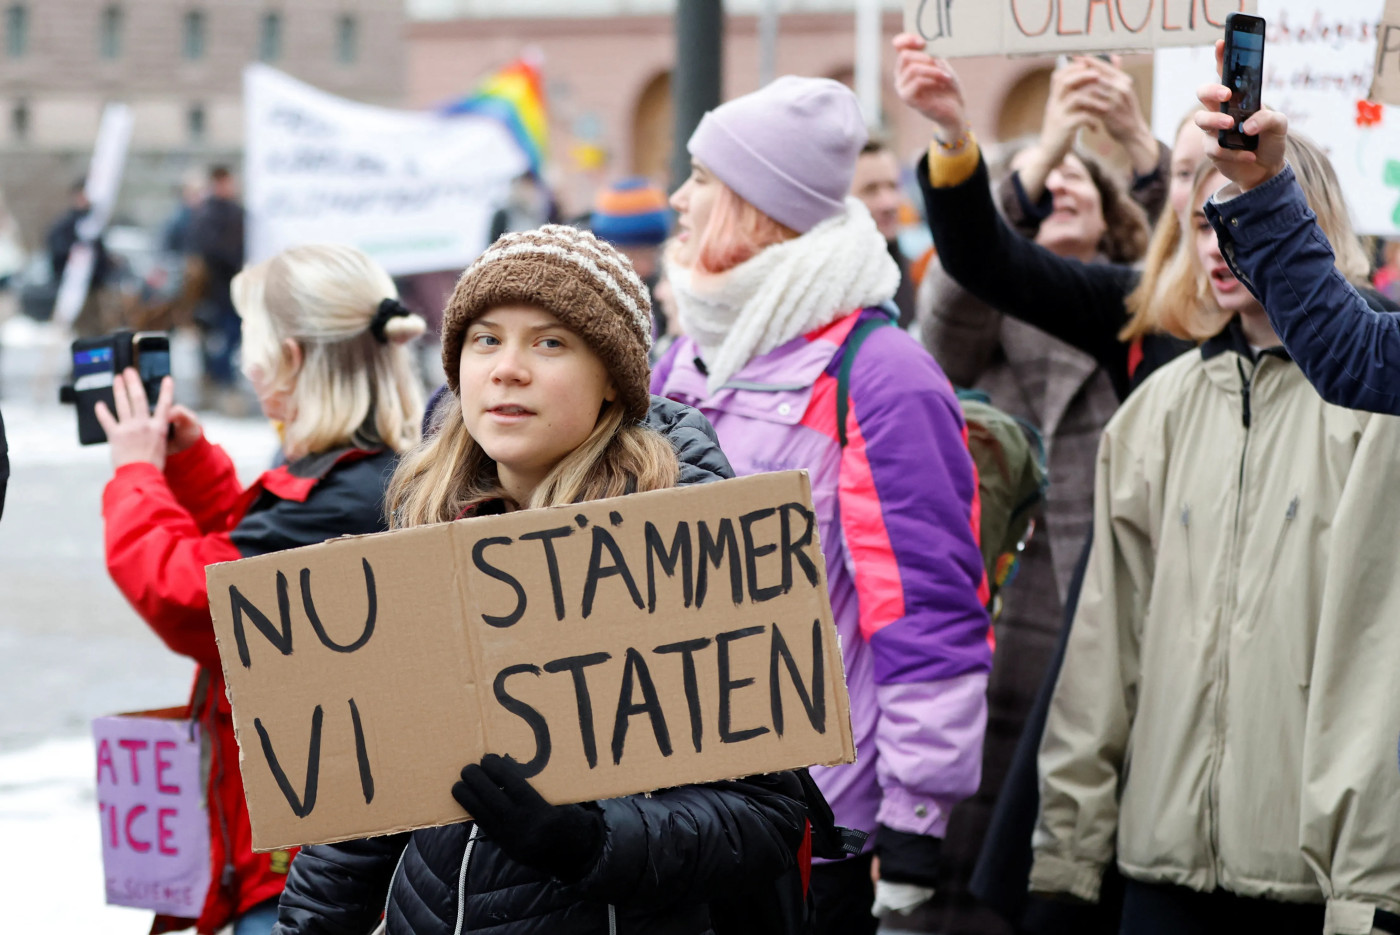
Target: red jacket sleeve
[
  {"x": 156, "y": 554},
  {"x": 204, "y": 482}
]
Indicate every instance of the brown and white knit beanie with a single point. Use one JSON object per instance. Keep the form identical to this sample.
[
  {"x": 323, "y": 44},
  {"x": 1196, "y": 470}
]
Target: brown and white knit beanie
[{"x": 582, "y": 281}]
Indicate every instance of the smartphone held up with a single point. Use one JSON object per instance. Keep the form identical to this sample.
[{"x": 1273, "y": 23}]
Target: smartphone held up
[
  {"x": 97, "y": 361},
  {"x": 1242, "y": 72}
]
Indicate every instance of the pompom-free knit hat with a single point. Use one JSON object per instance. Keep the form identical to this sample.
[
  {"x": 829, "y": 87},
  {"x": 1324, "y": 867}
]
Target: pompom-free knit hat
[
  {"x": 789, "y": 148},
  {"x": 631, "y": 213},
  {"x": 582, "y": 281}
]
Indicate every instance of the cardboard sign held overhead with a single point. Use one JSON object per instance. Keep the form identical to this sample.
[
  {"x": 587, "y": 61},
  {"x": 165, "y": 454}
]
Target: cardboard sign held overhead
[
  {"x": 614, "y": 647},
  {"x": 1385, "y": 87},
  {"x": 955, "y": 28}
]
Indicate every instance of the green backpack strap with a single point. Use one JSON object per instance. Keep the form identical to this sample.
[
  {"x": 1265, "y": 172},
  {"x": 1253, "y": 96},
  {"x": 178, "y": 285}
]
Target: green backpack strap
[{"x": 848, "y": 359}]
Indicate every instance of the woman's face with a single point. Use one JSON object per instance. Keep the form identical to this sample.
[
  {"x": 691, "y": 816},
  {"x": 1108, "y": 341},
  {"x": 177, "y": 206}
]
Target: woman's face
[
  {"x": 531, "y": 390},
  {"x": 1075, "y": 225},
  {"x": 693, "y": 203},
  {"x": 1229, "y": 293},
  {"x": 1188, "y": 152}
]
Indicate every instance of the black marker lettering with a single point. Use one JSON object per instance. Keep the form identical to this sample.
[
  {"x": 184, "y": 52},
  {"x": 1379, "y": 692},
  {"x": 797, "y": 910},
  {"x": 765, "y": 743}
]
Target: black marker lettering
[
  {"x": 310, "y": 607},
  {"x": 479, "y": 560},
  {"x": 797, "y": 550},
  {"x": 546, "y": 538},
  {"x": 602, "y": 539},
  {"x": 538, "y": 725},
  {"x": 301, "y": 807},
  {"x": 753, "y": 553},
  {"x": 575, "y": 665},
  {"x": 815, "y": 702},
  {"x": 243, "y": 607},
  {"x": 636, "y": 666},
  {"x": 728, "y": 685},
  {"x": 712, "y": 551},
  {"x": 362, "y": 754},
  {"x": 678, "y": 554},
  {"x": 687, "y": 649}
]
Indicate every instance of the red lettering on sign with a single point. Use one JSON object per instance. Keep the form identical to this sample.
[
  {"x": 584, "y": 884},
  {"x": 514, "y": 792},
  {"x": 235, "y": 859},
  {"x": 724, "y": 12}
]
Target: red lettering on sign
[
  {"x": 1238, "y": 7},
  {"x": 163, "y": 746},
  {"x": 1166, "y": 6},
  {"x": 1107, "y": 10},
  {"x": 104, "y": 758},
  {"x": 163, "y": 834},
  {"x": 111, "y": 813},
  {"x": 1146, "y": 17},
  {"x": 1016, "y": 15},
  {"x": 1060, "y": 24},
  {"x": 132, "y": 841},
  {"x": 132, "y": 747}
]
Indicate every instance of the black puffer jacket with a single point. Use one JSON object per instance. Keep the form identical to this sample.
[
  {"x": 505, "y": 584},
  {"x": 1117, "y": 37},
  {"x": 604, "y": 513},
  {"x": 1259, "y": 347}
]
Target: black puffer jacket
[{"x": 665, "y": 858}]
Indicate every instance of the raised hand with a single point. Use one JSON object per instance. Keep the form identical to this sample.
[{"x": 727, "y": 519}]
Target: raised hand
[
  {"x": 1245, "y": 168},
  {"x": 1122, "y": 115},
  {"x": 136, "y": 434},
  {"x": 930, "y": 86}
]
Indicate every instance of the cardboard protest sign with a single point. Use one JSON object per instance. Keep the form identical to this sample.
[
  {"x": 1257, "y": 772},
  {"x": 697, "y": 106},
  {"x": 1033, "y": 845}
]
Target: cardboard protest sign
[
  {"x": 956, "y": 28},
  {"x": 155, "y": 830},
  {"x": 414, "y": 190},
  {"x": 613, "y": 647},
  {"x": 1319, "y": 62},
  {"x": 1385, "y": 86}
]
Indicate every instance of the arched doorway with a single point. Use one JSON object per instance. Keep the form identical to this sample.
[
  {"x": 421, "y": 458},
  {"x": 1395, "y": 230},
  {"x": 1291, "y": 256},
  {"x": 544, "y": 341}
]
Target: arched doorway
[{"x": 652, "y": 128}]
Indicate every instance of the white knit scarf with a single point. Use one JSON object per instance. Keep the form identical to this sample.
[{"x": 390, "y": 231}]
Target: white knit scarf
[{"x": 785, "y": 291}]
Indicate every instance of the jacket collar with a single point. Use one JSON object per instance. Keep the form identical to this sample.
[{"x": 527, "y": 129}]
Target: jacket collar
[{"x": 1231, "y": 338}]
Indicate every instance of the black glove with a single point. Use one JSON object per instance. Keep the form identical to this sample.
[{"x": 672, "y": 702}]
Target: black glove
[
  {"x": 562, "y": 840},
  {"x": 907, "y": 858}
]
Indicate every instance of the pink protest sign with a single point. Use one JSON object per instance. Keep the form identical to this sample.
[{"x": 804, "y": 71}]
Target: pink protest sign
[{"x": 155, "y": 830}]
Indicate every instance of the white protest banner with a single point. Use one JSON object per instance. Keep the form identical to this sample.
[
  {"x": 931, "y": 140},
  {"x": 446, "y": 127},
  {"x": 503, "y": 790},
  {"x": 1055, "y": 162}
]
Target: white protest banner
[
  {"x": 104, "y": 182},
  {"x": 612, "y": 647},
  {"x": 955, "y": 28},
  {"x": 1319, "y": 57},
  {"x": 414, "y": 190}
]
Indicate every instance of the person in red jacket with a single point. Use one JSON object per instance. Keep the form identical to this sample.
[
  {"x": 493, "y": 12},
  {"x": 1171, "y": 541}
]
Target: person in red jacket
[{"x": 324, "y": 350}]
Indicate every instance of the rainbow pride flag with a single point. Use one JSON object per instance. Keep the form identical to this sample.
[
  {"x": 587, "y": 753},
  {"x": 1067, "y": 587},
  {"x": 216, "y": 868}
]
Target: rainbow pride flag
[{"x": 513, "y": 95}]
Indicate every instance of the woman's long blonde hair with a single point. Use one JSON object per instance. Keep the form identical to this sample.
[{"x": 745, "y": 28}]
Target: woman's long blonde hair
[
  {"x": 350, "y": 388},
  {"x": 1188, "y": 308},
  {"x": 450, "y": 473}
]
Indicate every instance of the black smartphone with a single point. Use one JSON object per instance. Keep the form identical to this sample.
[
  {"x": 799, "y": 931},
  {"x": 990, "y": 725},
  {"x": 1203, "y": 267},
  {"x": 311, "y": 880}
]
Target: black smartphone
[
  {"x": 1243, "y": 74},
  {"x": 97, "y": 360}
]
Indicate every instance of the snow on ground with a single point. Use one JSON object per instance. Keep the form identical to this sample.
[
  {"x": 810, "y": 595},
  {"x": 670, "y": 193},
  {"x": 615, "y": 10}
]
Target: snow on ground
[{"x": 51, "y": 858}]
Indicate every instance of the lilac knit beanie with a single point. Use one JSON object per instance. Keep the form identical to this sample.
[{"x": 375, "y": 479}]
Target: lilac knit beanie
[{"x": 788, "y": 149}]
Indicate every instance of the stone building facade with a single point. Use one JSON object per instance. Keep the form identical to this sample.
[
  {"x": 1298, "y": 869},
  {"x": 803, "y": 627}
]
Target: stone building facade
[{"x": 178, "y": 63}]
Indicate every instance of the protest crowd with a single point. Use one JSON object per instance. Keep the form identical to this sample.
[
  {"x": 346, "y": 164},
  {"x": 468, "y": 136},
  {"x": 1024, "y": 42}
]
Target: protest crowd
[{"x": 1098, "y": 487}]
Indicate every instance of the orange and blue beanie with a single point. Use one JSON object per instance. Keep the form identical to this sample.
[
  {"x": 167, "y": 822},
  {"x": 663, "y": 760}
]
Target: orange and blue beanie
[{"x": 631, "y": 213}]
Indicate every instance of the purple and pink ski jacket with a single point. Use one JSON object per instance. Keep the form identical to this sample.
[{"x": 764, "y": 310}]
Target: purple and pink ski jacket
[{"x": 897, "y": 512}]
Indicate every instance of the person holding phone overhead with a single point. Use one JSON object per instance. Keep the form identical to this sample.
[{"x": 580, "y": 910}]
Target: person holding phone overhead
[{"x": 326, "y": 353}]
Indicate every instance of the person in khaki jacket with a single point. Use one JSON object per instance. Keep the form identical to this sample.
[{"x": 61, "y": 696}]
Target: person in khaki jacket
[{"x": 1222, "y": 726}]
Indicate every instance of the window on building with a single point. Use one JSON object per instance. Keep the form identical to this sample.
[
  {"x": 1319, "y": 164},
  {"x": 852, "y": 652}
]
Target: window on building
[
  {"x": 16, "y": 30},
  {"x": 195, "y": 123},
  {"x": 347, "y": 39},
  {"x": 19, "y": 122},
  {"x": 270, "y": 40},
  {"x": 110, "y": 38},
  {"x": 194, "y": 35}
]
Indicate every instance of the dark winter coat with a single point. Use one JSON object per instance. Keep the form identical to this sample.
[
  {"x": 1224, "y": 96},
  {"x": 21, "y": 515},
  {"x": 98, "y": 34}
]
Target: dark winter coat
[
  {"x": 162, "y": 529},
  {"x": 1081, "y": 304},
  {"x": 665, "y": 857}
]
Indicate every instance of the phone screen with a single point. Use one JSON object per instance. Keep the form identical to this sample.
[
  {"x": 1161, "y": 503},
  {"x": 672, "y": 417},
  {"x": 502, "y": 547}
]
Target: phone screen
[
  {"x": 1244, "y": 76},
  {"x": 152, "y": 357}
]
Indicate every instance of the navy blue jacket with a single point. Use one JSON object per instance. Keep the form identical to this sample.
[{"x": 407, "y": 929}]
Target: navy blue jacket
[{"x": 1347, "y": 349}]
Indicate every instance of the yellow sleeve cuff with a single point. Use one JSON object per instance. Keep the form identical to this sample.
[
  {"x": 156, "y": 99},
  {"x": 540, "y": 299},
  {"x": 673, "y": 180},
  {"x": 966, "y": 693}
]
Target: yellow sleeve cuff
[{"x": 947, "y": 170}]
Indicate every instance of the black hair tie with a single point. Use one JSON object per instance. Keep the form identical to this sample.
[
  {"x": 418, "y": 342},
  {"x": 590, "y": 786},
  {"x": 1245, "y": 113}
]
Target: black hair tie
[{"x": 389, "y": 308}]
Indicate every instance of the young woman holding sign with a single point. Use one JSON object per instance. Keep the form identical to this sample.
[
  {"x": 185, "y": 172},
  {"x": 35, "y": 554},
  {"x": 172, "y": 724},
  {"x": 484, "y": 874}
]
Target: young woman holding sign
[
  {"x": 545, "y": 347},
  {"x": 324, "y": 348}
]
